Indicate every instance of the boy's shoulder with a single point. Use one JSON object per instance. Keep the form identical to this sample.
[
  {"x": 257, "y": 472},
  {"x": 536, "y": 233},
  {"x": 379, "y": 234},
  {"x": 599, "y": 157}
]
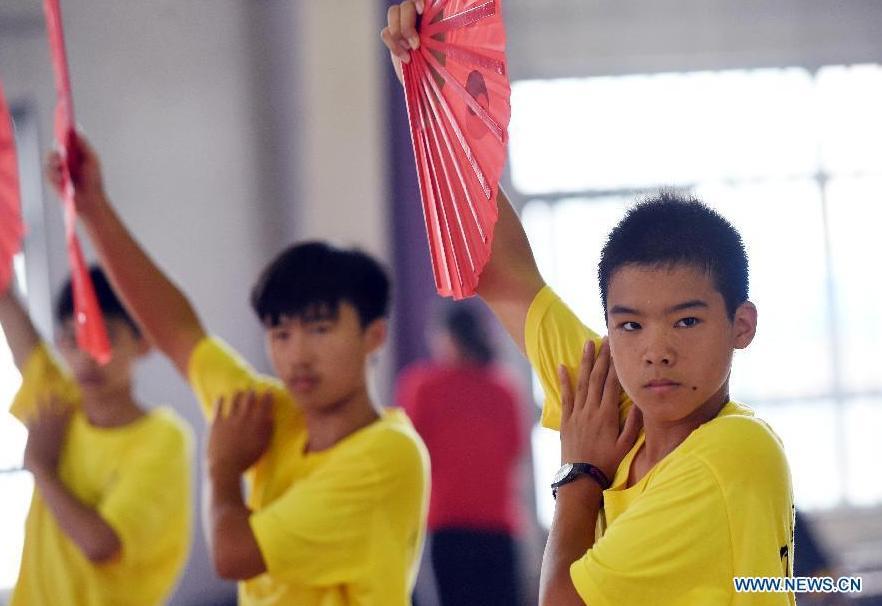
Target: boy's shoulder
[
  {"x": 167, "y": 419},
  {"x": 394, "y": 432},
  {"x": 737, "y": 444},
  {"x": 163, "y": 428},
  {"x": 391, "y": 442}
]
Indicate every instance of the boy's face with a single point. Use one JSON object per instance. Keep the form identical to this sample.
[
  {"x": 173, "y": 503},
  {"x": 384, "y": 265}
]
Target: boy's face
[
  {"x": 672, "y": 340},
  {"x": 115, "y": 377},
  {"x": 321, "y": 356}
]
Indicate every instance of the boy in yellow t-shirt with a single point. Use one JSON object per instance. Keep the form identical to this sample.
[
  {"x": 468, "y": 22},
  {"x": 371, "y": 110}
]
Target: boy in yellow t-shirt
[
  {"x": 109, "y": 521},
  {"x": 336, "y": 506},
  {"x": 671, "y": 514}
]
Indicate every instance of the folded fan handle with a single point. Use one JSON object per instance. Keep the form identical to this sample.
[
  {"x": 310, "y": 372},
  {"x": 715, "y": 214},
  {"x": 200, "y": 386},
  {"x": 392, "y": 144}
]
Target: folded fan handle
[{"x": 74, "y": 157}]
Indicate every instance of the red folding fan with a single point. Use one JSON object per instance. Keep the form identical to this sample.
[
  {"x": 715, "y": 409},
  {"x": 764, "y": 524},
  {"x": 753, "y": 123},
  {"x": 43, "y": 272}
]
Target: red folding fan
[
  {"x": 11, "y": 230},
  {"x": 90, "y": 331},
  {"x": 457, "y": 91}
]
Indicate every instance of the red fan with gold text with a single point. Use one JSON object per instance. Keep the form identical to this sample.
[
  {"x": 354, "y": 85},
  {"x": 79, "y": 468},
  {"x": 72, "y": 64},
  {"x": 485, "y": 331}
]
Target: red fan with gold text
[
  {"x": 11, "y": 229},
  {"x": 90, "y": 330},
  {"x": 457, "y": 91}
]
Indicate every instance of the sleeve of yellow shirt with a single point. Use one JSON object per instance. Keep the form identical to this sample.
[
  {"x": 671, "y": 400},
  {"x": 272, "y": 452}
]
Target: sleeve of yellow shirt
[
  {"x": 671, "y": 546},
  {"x": 216, "y": 371},
  {"x": 554, "y": 335},
  {"x": 152, "y": 497},
  {"x": 322, "y": 530},
  {"x": 42, "y": 375}
]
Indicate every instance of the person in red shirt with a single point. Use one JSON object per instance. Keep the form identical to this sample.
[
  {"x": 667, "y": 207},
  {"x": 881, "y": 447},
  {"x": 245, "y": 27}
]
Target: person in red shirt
[{"x": 468, "y": 413}]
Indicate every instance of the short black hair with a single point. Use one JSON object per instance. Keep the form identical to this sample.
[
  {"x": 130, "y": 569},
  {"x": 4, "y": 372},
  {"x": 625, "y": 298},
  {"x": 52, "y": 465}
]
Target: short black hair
[
  {"x": 307, "y": 277},
  {"x": 673, "y": 228},
  {"x": 108, "y": 302},
  {"x": 465, "y": 325}
]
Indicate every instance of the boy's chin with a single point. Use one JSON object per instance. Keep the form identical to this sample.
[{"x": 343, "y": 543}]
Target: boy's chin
[
  {"x": 669, "y": 410},
  {"x": 92, "y": 386},
  {"x": 101, "y": 388}
]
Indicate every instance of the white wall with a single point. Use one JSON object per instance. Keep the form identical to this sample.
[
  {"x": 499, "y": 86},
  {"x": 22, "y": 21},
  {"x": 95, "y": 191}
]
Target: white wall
[{"x": 567, "y": 38}]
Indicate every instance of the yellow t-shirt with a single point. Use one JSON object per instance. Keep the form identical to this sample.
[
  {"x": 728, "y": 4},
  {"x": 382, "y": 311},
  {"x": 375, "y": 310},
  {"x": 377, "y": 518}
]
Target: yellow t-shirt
[
  {"x": 343, "y": 526},
  {"x": 719, "y": 506},
  {"x": 138, "y": 479}
]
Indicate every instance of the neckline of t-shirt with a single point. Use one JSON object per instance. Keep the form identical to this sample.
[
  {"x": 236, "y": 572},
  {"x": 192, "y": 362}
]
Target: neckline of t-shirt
[
  {"x": 734, "y": 409},
  {"x": 388, "y": 415},
  {"x": 132, "y": 426}
]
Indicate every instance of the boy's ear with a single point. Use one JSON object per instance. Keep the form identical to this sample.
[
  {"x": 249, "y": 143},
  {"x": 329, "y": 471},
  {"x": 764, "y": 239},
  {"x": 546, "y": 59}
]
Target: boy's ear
[
  {"x": 376, "y": 334},
  {"x": 745, "y": 324}
]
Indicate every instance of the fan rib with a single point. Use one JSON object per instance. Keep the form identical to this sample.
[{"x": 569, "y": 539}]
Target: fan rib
[
  {"x": 457, "y": 131},
  {"x": 441, "y": 206},
  {"x": 467, "y": 194},
  {"x": 488, "y": 120},
  {"x": 417, "y": 130},
  {"x": 462, "y": 19},
  {"x": 448, "y": 202},
  {"x": 467, "y": 55}
]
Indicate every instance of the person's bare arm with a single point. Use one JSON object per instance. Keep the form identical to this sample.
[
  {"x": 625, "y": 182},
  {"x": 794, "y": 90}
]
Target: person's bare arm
[
  {"x": 510, "y": 280},
  {"x": 20, "y": 333},
  {"x": 84, "y": 525},
  {"x": 159, "y": 307},
  {"x": 81, "y": 523},
  {"x": 589, "y": 434},
  {"x": 570, "y": 536},
  {"x": 235, "y": 443}
]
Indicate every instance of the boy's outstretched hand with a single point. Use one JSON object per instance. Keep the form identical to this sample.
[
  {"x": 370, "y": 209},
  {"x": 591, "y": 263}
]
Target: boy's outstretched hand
[
  {"x": 400, "y": 35},
  {"x": 88, "y": 183},
  {"x": 240, "y": 433},
  {"x": 589, "y": 429},
  {"x": 46, "y": 433}
]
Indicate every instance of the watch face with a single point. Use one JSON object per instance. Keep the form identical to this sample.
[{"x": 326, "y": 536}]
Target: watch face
[{"x": 563, "y": 472}]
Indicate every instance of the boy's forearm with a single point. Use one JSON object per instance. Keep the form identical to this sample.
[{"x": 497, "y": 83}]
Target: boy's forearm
[
  {"x": 234, "y": 547},
  {"x": 570, "y": 536},
  {"x": 160, "y": 308},
  {"x": 510, "y": 279},
  {"x": 515, "y": 252},
  {"x": 85, "y": 526},
  {"x": 20, "y": 333}
]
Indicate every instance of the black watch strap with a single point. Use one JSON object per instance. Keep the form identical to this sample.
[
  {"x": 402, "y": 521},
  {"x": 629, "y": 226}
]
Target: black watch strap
[{"x": 581, "y": 469}]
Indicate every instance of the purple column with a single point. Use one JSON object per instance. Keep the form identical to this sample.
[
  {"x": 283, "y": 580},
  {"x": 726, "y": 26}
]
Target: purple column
[{"x": 414, "y": 286}]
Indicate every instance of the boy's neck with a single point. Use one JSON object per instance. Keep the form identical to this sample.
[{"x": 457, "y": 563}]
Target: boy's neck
[
  {"x": 326, "y": 428},
  {"x": 662, "y": 438},
  {"x": 111, "y": 410}
]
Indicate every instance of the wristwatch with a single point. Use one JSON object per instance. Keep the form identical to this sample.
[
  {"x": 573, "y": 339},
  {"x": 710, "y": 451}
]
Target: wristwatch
[{"x": 571, "y": 471}]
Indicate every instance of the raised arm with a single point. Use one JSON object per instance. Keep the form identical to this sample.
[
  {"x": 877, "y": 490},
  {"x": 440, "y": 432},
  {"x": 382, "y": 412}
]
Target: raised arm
[
  {"x": 510, "y": 280},
  {"x": 160, "y": 308},
  {"x": 20, "y": 332}
]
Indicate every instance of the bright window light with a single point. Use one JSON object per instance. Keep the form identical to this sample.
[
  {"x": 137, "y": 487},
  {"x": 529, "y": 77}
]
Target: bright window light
[{"x": 678, "y": 129}]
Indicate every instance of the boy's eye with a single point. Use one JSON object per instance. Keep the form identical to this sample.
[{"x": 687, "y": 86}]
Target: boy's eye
[
  {"x": 279, "y": 335},
  {"x": 319, "y": 328},
  {"x": 630, "y": 326},
  {"x": 688, "y": 322}
]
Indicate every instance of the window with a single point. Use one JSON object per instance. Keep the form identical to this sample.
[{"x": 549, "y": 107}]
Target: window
[
  {"x": 15, "y": 484},
  {"x": 794, "y": 159}
]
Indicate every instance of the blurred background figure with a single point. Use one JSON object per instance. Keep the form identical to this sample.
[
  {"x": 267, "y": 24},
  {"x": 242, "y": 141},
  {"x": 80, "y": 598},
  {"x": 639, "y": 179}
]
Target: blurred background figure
[
  {"x": 466, "y": 409},
  {"x": 812, "y": 559}
]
